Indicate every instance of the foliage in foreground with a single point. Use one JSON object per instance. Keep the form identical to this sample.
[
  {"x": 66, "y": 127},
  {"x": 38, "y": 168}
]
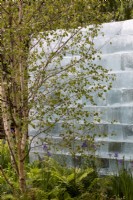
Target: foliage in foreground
[
  {"x": 122, "y": 184},
  {"x": 47, "y": 179}
]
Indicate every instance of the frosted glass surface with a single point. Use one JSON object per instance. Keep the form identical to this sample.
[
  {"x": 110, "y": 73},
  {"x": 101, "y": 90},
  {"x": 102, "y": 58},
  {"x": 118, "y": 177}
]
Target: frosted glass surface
[
  {"x": 117, "y": 49},
  {"x": 118, "y": 43},
  {"x": 117, "y": 55}
]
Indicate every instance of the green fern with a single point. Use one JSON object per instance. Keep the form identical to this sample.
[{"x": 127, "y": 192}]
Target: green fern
[{"x": 8, "y": 197}]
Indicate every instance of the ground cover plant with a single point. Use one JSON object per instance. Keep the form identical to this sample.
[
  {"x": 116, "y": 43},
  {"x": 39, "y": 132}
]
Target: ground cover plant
[{"x": 48, "y": 179}]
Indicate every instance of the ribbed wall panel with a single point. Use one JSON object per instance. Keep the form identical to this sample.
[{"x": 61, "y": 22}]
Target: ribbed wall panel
[{"x": 117, "y": 54}]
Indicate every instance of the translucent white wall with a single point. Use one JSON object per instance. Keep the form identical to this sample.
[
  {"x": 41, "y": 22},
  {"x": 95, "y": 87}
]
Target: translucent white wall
[
  {"x": 118, "y": 104},
  {"x": 117, "y": 54}
]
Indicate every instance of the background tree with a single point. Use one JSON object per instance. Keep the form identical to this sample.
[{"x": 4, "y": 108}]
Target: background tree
[
  {"x": 36, "y": 87},
  {"x": 117, "y": 9}
]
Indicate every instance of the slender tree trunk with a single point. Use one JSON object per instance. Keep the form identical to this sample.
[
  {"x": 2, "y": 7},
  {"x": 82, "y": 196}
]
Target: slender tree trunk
[
  {"x": 22, "y": 177},
  {"x": 22, "y": 134},
  {"x": 13, "y": 95},
  {"x": 7, "y": 123}
]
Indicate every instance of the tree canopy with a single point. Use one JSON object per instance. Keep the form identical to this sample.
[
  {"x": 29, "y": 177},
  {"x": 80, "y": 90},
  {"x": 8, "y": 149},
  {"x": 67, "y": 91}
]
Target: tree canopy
[{"x": 117, "y": 9}]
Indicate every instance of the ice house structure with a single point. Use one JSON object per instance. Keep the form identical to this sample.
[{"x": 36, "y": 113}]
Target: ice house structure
[{"x": 117, "y": 54}]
